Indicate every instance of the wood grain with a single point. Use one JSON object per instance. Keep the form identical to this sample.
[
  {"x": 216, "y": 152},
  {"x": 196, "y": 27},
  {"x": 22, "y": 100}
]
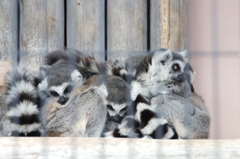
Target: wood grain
[
  {"x": 8, "y": 30},
  {"x": 33, "y": 32},
  {"x": 5, "y": 66},
  {"x": 55, "y": 24},
  {"x": 85, "y": 27},
  {"x": 178, "y": 25},
  {"x": 117, "y": 148},
  {"x": 159, "y": 22},
  {"x": 169, "y": 24},
  {"x": 126, "y": 28}
]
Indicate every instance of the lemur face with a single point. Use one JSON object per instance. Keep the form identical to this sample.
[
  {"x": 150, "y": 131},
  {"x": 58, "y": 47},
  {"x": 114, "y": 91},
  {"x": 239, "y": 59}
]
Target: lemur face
[
  {"x": 167, "y": 65},
  {"x": 157, "y": 66},
  {"x": 116, "y": 112},
  {"x": 61, "y": 93},
  {"x": 115, "y": 93},
  {"x": 59, "y": 81}
]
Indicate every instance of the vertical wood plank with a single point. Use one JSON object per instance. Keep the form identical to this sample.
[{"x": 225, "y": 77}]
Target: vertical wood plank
[
  {"x": 85, "y": 27},
  {"x": 55, "y": 24},
  {"x": 33, "y": 32},
  {"x": 8, "y": 30},
  {"x": 126, "y": 28},
  {"x": 159, "y": 22},
  {"x": 178, "y": 25},
  {"x": 168, "y": 24}
]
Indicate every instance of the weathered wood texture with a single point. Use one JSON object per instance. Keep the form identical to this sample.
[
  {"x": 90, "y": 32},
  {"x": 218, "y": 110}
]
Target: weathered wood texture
[
  {"x": 85, "y": 27},
  {"x": 33, "y": 32},
  {"x": 169, "y": 24},
  {"x": 117, "y": 148},
  {"x": 5, "y": 66},
  {"x": 126, "y": 28},
  {"x": 178, "y": 25},
  {"x": 8, "y": 30},
  {"x": 55, "y": 24}
]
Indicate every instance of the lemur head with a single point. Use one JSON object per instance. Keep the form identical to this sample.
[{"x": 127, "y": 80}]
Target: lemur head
[
  {"x": 115, "y": 93},
  {"x": 59, "y": 80},
  {"x": 183, "y": 89},
  {"x": 156, "y": 67}
]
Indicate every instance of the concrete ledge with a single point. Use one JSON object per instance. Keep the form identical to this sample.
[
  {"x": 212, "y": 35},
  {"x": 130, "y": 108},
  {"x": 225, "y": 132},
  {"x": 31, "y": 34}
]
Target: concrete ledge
[{"x": 112, "y": 148}]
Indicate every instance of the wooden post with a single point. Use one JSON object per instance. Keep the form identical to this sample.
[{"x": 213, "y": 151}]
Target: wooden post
[
  {"x": 55, "y": 24},
  {"x": 33, "y": 32},
  {"x": 169, "y": 24},
  {"x": 126, "y": 28},
  {"x": 9, "y": 30},
  {"x": 85, "y": 27}
]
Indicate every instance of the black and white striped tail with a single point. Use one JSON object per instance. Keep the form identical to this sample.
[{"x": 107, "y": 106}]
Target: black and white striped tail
[
  {"x": 22, "y": 101},
  {"x": 143, "y": 123}
]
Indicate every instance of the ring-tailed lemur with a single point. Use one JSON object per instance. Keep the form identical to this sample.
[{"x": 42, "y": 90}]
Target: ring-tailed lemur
[
  {"x": 115, "y": 93},
  {"x": 143, "y": 122},
  {"x": 64, "y": 71},
  {"x": 85, "y": 115},
  {"x": 177, "y": 109},
  {"x": 62, "y": 105},
  {"x": 149, "y": 75},
  {"x": 60, "y": 75},
  {"x": 184, "y": 109},
  {"x": 58, "y": 81},
  {"x": 22, "y": 117}
]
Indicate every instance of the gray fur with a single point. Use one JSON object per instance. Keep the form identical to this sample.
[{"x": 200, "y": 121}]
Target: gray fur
[
  {"x": 84, "y": 116},
  {"x": 172, "y": 100},
  {"x": 118, "y": 96},
  {"x": 118, "y": 89},
  {"x": 154, "y": 68},
  {"x": 4, "y": 121},
  {"x": 190, "y": 121},
  {"x": 58, "y": 75},
  {"x": 184, "y": 109},
  {"x": 21, "y": 100}
]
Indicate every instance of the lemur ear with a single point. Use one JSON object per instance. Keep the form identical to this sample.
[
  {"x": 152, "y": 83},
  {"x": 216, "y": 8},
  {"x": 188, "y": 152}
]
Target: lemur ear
[
  {"x": 102, "y": 91},
  {"x": 185, "y": 54},
  {"x": 76, "y": 76},
  {"x": 44, "y": 69},
  {"x": 161, "y": 56}
]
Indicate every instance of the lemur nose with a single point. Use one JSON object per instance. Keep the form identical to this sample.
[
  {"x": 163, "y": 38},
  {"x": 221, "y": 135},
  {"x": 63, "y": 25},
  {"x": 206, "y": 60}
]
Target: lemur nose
[
  {"x": 63, "y": 100},
  {"x": 180, "y": 78},
  {"x": 117, "y": 118}
]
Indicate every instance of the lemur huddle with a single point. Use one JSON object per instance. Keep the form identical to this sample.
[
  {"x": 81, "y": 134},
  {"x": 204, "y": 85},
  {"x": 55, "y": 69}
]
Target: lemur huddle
[{"x": 147, "y": 96}]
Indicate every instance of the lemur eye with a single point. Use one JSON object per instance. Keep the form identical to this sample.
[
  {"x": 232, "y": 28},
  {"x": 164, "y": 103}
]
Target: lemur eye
[
  {"x": 109, "y": 107},
  {"x": 54, "y": 93},
  {"x": 176, "y": 67},
  {"x": 123, "y": 109},
  {"x": 162, "y": 62},
  {"x": 68, "y": 89}
]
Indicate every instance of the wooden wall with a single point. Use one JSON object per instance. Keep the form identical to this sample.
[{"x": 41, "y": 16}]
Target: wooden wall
[{"x": 106, "y": 29}]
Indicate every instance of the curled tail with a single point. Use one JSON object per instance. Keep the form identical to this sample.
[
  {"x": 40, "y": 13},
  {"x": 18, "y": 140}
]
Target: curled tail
[
  {"x": 143, "y": 122},
  {"x": 22, "y": 102},
  {"x": 88, "y": 65}
]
